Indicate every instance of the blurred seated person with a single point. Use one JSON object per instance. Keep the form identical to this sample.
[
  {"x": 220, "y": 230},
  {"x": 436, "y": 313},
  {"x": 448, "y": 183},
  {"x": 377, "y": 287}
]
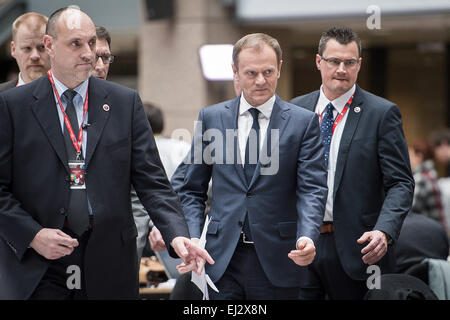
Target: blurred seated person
[
  {"x": 420, "y": 238},
  {"x": 427, "y": 195},
  {"x": 440, "y": 142}
]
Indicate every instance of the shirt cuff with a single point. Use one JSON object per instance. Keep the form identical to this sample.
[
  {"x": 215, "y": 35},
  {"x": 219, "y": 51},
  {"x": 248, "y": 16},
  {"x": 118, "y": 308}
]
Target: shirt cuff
[{"x": 306, "y": 238}]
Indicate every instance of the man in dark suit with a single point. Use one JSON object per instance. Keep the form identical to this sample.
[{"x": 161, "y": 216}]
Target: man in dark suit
[
  {"x": 27, "y": 47},
  {"x": 370, "y": 184},
  {"x": 101, "y": 69},
  {"x": 265, "y": 159},
  {"x": 66, "y": 227}
]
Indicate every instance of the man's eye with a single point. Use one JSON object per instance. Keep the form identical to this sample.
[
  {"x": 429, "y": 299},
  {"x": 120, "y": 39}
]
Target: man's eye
[
  {"x": 41, "y": 48},
  {"x": 336, "y": 62},
  {"x": 26, "y": 49},
  {"x": 251, "y": 73},
  {"x": 268, "y": 72},
  {"x": 75, "y": 43}
]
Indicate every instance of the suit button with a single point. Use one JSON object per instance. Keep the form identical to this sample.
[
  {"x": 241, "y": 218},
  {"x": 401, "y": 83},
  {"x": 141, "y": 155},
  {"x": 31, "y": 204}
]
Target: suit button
[
  {"x": 67, "y": 178},
  {"x": 241, "y": 223},
  {"x": 62, "y": 211},
  {"x": 249, "y": 194}
]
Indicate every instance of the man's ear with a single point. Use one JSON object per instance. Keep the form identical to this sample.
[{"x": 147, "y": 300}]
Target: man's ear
[
  {"x": 48, "y": 44},
  {"x": 13, "y": 49},
  {"x": 318, "y": 58},
  {"x": 279, "y": 68}
]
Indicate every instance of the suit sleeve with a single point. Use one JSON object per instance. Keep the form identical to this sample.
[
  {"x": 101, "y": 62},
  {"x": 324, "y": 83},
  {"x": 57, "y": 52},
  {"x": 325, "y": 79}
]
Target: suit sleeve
[
  {"x": 150, "y": 181},
  {"x": 17, "y": 227},
  {"x": 312, "y": 187},
  {"x": 398, "y": 180},
  {"x": 177, "y": 179},
  {"x": 193, "y": 189}
]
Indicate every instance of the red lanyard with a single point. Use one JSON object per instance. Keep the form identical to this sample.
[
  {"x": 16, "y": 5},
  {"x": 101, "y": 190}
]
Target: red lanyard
[
  {"x": 76, "y": 143},
  {"x": 340, "y": 115}
]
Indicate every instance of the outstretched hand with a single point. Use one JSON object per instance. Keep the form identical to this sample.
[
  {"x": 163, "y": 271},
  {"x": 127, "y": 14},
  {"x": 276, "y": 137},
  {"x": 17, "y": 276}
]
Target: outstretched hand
[
  {"x": 305, "y": 253},
  {"x": 193, "y": 257}
]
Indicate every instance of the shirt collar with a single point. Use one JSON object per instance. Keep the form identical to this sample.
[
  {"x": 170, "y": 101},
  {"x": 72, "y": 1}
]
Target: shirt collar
[
  {"x": 265, "y": 109},
  {"x": 338, "y": 103},
  {"x": 20, "y": 82},
  {"x": 81, "y": 89}
]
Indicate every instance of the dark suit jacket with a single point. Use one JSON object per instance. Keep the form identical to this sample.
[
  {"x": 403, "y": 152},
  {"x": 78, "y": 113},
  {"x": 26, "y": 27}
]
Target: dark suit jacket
[
  {"x": 34, "y": 188},
  {"x": 373, "y": 183},
  {"x": 282, "y": 204},
  {"x": 8, "y": 85}
]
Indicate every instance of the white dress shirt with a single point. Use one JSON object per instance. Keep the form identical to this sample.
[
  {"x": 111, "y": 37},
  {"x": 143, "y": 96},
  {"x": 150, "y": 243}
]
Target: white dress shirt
[
  {"x": 20, "y": 81},
  {"x": 339, "y": 105},
  {"x": 245, "y": 122}
]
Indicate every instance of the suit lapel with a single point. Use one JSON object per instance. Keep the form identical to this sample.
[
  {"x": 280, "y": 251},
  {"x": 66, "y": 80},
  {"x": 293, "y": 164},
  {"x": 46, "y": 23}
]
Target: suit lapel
[
  {"x": 311, "y": 101},
  {"x": 229, "y": 121},
  {"x": 44, "y": 109},
  {"x": 98, "y": 116},
  {"x": 350, "y": 126},
  {"x": 278, "y": 120}
]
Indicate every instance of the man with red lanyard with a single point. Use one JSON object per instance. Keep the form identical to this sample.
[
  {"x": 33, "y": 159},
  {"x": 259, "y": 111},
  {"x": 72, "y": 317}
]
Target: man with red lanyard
[
  {"x": 27, "y": 47},
  {"x": 70, "y": 147},
  {"x": 370, "y": 184}
]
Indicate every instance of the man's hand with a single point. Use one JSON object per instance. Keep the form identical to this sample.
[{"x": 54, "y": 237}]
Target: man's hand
[
  {"x": 305, "y": 253},
  {"x": 376, "y": 248},
  {"x": 156, "y": 240},
  {"x": 53, "y": 244},
  {"x": 193, "y": 256}
]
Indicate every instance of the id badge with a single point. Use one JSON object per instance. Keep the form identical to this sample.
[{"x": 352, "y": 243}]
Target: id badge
[{"x": 77, "y": 174}]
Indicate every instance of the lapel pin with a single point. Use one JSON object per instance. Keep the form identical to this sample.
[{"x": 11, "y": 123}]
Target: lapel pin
[
  {"x": 357, "y": 109},
  {"x": 105, "y": 107}
]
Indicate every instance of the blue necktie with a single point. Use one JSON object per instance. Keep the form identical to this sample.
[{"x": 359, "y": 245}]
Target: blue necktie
[
  {"x": 250, "y": 163},
  {"x": 326, "y": 129}
]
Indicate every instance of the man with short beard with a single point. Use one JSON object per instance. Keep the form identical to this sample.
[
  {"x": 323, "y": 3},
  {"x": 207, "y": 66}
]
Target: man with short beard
[{"x": 27, "y": 47}]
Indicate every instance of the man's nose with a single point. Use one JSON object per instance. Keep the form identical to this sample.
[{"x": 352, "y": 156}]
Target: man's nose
[
  {"x": 260, "y": 79},
  {"x": 88, "y": 53},
  {"x": 99, "y": 63},
  {"x": 35, "y": 54},
  {"x": 341, "y": 67}
]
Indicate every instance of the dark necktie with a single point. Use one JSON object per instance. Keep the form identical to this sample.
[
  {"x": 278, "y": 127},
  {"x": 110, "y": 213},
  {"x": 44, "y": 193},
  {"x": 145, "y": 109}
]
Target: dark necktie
[
  {"x": 251, "y": 160},
  {"x": 78, "y": 215},
  {"x": 326, "y": 129}
]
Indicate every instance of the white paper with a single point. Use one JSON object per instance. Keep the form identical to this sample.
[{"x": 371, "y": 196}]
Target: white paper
[{"x": 203, "y": 280}]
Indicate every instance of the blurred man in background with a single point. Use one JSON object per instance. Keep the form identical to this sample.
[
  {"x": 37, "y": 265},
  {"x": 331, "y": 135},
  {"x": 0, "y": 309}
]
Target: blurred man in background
[
  {"x": 27, "y": 47},
  {"x": 103, "y": 52}
]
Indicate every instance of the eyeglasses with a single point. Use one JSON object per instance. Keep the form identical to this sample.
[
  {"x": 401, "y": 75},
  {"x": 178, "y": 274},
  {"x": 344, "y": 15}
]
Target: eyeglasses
[
  {"x": 334, "y": 62},
  {"x": 106, "y": 58}
]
